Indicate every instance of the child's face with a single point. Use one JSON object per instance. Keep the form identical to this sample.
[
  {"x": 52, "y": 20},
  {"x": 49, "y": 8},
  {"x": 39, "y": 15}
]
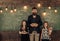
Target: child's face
[
  {"x": 24, "y": 23},
  {"x": 45, "y": 24}
]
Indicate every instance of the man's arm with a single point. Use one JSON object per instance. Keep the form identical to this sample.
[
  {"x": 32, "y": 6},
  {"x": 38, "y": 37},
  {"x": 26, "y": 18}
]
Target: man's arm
[
  {"x": 28, "y": 21},
  {"x": 28, "y": 24},
  {"x": 40, "y": 21}
]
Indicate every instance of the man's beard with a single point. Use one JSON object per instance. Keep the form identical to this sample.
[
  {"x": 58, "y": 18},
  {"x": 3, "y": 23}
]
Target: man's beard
[{"x": 34, "y": 13}]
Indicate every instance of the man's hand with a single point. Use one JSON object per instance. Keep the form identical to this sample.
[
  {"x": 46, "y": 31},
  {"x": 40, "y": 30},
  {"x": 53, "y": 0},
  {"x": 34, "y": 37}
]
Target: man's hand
[{"x": 34, "y": 25}]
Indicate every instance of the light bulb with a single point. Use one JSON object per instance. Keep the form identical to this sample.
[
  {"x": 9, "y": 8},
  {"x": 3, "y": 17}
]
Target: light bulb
[
  {"x": 11, "y": 11},
  {"x": 44, "y": 13},
  {"x": 55, "y": 11},
  {"x": 49, "y": 7},
  {"x": 39, "y": 5},
  {"x": 25, "y": 7},
  {"x": 6, "y": 9},
  {"x": 1, "y": 11},
  {"x": 15, "y": 10}
]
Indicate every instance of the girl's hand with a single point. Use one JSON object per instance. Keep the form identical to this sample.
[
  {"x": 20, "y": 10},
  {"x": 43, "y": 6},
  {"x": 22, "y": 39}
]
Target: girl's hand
[
  {"x": 24, "y": 32},
  {"x": 20, "y": 32}
]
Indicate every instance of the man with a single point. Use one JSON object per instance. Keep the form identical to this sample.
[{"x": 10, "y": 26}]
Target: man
[{"x": 34, "y": 23}]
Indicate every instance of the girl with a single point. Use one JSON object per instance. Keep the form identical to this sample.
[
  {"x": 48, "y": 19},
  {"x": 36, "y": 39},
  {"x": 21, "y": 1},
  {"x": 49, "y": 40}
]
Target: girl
[
  {"x": 23, "y": 31},
  {"x": 46, "y": 32}
]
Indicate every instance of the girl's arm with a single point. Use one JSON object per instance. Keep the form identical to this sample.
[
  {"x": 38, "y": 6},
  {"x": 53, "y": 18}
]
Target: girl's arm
[
  {"x": 23, "y": 32},
  {"x": 20, "y": 32}
]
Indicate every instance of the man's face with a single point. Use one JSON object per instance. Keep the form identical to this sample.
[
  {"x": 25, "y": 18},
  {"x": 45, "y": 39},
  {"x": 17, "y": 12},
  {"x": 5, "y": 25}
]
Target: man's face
[{"x": 34, "y": 11}]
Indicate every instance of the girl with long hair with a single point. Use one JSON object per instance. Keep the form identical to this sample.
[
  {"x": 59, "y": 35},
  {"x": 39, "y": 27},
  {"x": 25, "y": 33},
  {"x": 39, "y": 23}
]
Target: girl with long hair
[
  {"x": 46, "y": 32},
  {"x": 24, "y": 31}
]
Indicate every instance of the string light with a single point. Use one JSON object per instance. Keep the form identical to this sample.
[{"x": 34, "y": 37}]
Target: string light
[
  {"x": 25, "y": 7},
  {"x": 49, "y": 7},
  {"x": 38, "y": 5}
]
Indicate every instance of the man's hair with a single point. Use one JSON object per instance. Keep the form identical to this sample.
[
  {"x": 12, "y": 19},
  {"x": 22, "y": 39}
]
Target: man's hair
[{"x": 34, "y": 8}]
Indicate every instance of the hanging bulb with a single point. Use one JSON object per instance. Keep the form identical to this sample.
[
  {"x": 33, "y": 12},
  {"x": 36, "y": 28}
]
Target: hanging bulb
[
  {"x": 15, "y": 10},
  {"x": 38, "y": 5},
  {"x": 49, "y": 7},
  {"x": 1, "y": 11},
  {"x": 25, "y": 7},
  {"x": 11, "y": 11},
  {"x": 55, "y": 10},
  {"x": 6, "y": 8},
  {"x": 44, "y": 13}
]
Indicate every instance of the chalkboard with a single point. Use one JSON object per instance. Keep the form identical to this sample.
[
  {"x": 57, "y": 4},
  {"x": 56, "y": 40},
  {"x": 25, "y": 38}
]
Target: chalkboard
[{"x": 11, "y": 21}]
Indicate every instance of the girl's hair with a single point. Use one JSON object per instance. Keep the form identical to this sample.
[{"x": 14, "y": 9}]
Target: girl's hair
[
  {"x": 47, "y": 24},
  {"x": 22, "y": 24}
]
